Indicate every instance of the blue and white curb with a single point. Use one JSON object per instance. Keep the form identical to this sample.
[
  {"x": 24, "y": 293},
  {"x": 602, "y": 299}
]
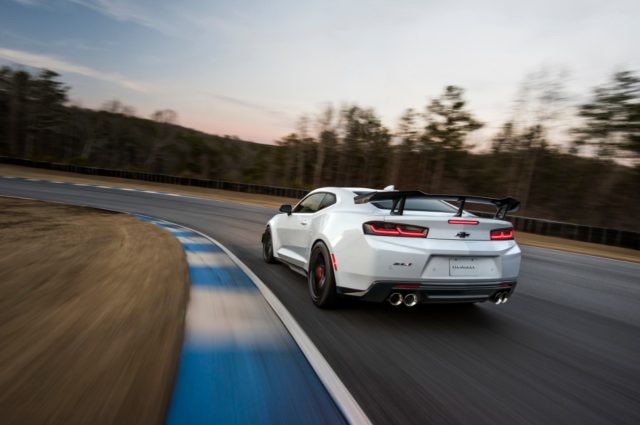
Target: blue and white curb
[{"x": 244, "y": 358}]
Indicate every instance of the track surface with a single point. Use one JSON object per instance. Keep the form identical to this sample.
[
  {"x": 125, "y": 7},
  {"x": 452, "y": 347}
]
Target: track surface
[{"x": 564, "y": 350}]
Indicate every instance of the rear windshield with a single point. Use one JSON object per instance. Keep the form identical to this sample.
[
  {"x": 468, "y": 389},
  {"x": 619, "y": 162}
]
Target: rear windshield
[{"x": 415, "y": 204}]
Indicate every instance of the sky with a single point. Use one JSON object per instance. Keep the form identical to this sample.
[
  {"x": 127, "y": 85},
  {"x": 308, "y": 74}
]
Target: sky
[{"x": 252, "y": 68}]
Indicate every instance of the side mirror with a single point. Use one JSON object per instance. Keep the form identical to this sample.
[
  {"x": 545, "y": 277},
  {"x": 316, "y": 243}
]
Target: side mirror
[{"x": 286, "y": 208}]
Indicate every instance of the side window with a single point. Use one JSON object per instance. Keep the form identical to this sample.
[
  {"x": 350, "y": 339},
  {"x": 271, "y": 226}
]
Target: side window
[
  {"x": 329, "y": 199},
  {"x": 309, "y": 204}
]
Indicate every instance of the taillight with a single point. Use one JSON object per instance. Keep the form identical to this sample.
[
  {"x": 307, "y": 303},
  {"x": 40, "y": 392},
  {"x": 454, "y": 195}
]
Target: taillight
[
  {"x": 502, "y": 234},
  {"x": 382, "y": 228},
  {"x": 472, "y": 222}
]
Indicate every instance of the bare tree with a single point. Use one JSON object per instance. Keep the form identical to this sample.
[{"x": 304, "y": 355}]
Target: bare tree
[
  {"x": 164, "y": 136},
  {"x": 326, "y": 138}
]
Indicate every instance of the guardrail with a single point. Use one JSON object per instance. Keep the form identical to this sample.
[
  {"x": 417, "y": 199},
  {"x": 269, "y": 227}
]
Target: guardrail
[{"x": 600, "y": 235}]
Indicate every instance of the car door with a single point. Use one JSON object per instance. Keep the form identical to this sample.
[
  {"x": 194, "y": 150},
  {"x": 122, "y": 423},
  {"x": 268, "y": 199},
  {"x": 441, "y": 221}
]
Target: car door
[{"x": 294, "y": 232}]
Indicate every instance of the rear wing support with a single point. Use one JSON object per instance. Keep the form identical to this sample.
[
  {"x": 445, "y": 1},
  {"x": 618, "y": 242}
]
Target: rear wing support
[{"x": 399, "y": 197}]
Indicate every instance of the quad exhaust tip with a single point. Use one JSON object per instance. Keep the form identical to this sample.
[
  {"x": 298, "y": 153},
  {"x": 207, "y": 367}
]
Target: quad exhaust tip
[
  {"x": 410, "y": 300},
  {"x": 395, "y": 299},
  {"x": 501, "y": 297}
]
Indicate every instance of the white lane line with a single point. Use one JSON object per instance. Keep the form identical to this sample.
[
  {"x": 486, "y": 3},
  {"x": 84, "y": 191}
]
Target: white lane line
[
  {"x": 172, "y": 194},
  {"x": 81, "y": 184},
  {"x": 56, "y": 182},
  {"x": 34, "y": 180},
  {"x": 150, "y": 191},
  {"x": 209, "y": 259},
  {"x": 193, "y": 239},
  {"x": 127, "y": 189},
  {"x": 222, "y": 317},
  {"x": 105, "y": 187},
  {"x": 339, "y": 392},
  {"x": 9, "y": 177}
]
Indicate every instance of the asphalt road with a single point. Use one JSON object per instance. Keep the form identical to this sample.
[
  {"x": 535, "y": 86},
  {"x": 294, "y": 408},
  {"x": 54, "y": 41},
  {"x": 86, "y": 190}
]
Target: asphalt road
[{"x": 564, "y": 350}]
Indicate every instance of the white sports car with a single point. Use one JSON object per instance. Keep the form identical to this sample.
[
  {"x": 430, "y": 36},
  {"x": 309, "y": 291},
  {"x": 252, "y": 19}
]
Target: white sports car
[{"x": 406, "y": 247}]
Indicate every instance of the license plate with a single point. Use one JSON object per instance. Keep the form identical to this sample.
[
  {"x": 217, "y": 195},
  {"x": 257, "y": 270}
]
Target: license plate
[{"x": 464, "y": 266}]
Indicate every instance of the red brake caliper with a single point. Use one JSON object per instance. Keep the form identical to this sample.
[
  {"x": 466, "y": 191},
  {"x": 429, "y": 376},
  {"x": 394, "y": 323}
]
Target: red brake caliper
[{"x": 319, "y": 273}]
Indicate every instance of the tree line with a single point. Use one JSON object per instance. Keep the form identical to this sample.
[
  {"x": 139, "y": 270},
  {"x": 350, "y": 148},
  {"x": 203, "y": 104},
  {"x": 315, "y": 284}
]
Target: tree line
[{"x": 590, "y": 176}]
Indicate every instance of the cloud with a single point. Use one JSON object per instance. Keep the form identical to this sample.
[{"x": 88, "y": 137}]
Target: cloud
[
  {"x": 253, "y": 106},
  {"x": 126, "y": 11},
  {"x": 42, "y": 61}
]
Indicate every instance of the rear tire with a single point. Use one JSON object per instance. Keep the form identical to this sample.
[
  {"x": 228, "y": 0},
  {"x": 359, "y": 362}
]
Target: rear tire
[
  {"x": 321, "y": 278},
  {"x": 267, "y": 248}
]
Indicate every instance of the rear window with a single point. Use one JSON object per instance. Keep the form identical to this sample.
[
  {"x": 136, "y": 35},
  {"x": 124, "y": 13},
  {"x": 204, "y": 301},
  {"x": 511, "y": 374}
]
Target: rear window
[
  {"x": 417, "y": 204},
  {"x": 413, "y": 204}
]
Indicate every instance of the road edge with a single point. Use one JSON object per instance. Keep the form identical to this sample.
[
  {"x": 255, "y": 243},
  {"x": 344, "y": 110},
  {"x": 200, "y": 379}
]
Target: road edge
[{"x": 338, "y": 391}]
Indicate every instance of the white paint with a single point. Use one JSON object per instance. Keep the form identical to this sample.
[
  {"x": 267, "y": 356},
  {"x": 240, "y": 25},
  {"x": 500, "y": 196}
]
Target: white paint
[
  {"x": 171, "y": 229},
  {"x": 193, "y": 239},
  {"x": 231, "y": 317},
  {"x": 210, "y": 259}
]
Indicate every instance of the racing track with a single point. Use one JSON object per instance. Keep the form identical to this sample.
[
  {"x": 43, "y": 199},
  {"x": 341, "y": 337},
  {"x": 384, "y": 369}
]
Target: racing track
[{"x": 564, "y": 350}]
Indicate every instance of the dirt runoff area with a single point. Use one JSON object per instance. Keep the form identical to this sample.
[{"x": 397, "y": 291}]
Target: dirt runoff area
[{"x": 92, "y": 310}]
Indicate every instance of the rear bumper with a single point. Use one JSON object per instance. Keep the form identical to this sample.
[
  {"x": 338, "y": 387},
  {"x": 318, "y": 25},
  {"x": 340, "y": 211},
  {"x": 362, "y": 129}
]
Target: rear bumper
[
  {"x": 379, "y": 259},
  {"x": 430, "y": 292}
]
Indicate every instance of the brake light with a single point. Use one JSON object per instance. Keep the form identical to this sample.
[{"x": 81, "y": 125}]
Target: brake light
[
  {"x": 335, "y": 263},
  {"x": 473, "y": 222},
  {"x": 381, "y": 228},
  {"x": 502, "y": 234}
]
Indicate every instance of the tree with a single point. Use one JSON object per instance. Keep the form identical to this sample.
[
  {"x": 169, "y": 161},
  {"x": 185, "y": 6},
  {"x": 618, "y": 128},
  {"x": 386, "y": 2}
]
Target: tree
[
  {"x": 116, "y": 107},
  {"x": 327, "y": 140},
  {"x": 47, "y": 98},
  {"x": 290, "y": 144},
  {"x": 363, "y": 147},
  {"x": 408, "y": 134},
  {"x": 506, "y": 140},
  {"x": 6, "y": 75},
  {"x": 165, "y": 134},
  {"x": 448, "y": 124},
  {"x": 612, "y": 118}
]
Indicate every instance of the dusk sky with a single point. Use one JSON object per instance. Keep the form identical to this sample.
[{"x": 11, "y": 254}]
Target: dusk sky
[{"x": 251, "y": 68}]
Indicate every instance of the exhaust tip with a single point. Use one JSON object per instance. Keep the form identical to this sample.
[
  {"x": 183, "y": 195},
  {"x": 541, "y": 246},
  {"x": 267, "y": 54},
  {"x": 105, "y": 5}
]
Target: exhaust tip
[
  {"x": 395, "y": 299},
  {"x": 410, "y": 300},
  {"x": 500, "y": 297}
]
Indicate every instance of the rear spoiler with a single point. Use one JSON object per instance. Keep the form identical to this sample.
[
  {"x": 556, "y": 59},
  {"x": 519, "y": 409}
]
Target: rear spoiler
[{"x": 503, "y": 205}]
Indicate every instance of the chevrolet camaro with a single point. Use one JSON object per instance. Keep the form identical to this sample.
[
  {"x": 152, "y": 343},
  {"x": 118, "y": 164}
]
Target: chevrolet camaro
[{"x": 404, "y": 247}]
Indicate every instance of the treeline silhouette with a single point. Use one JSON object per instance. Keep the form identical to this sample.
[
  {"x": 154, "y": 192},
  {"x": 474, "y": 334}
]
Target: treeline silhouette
[{"x": 590, "y": 175}]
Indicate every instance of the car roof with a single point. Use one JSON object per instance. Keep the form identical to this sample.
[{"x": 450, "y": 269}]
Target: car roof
[{"x": 353, "y": 190}]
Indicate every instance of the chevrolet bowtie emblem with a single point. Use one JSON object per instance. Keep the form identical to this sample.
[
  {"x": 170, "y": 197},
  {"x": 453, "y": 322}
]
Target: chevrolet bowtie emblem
[{"x": 463, "y": 235}]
